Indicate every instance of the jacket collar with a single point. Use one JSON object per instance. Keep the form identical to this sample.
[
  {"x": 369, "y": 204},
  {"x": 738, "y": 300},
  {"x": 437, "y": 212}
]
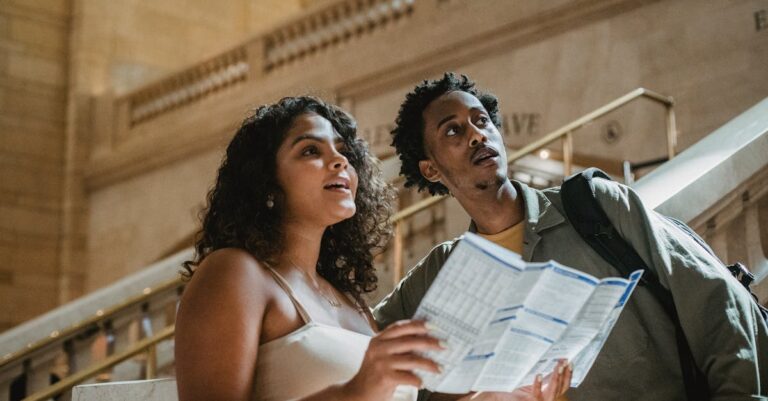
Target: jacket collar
[
  {"x": 540, "y": 215},
  {"x": 539, "y": 212}
]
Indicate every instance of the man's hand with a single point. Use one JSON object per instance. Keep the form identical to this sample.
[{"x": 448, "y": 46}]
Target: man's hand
[{"x": 551, "y": 388}]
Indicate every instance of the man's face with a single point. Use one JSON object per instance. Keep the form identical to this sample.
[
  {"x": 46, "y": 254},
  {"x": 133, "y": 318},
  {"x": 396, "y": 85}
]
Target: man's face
[{"x": 465, "y": 151}]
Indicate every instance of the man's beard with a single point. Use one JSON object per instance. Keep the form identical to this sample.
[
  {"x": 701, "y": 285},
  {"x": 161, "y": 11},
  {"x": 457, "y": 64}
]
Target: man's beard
[{"x": 495, "y": 182}]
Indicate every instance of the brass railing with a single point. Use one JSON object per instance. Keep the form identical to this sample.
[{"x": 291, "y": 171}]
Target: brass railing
[
  {"x": 147, "y": 346},
  {"x": 564, "y": 133},
  {"x": 101, "y": 333},
  {"x": 97, "y": 319}
]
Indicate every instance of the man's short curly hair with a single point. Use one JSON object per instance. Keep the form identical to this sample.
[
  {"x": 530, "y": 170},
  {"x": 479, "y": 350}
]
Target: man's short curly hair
[{"x": 408, "y": 135}]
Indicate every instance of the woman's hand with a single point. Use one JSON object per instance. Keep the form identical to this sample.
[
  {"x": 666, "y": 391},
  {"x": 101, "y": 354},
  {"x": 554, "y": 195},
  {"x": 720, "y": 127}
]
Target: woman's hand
[
  {"x": 552, "y": 388},
  {"x": 391, "y": 359}
]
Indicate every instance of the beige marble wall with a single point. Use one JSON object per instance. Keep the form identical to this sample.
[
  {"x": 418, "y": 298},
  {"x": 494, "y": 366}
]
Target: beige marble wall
[
  {"x": 33, "y": 88},
  {"x": 142, "y": 219}
]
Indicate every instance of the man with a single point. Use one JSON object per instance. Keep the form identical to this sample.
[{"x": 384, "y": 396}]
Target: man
[{"x": 448, "y": 142}]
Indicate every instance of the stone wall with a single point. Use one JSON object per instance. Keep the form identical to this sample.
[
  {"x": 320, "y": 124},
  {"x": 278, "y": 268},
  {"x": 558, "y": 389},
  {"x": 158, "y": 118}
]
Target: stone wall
[{"x": 33, "y": 92}]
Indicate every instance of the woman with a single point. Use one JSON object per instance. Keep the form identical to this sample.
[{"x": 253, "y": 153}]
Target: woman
[{"x": 274, "y": 308}]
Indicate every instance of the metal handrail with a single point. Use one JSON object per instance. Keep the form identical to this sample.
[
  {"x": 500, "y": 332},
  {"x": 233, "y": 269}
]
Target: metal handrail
[
  {"x": 566, "y": 133},
  {"x": 100, "y": 316},
  {"x": 148, "y": 345}
]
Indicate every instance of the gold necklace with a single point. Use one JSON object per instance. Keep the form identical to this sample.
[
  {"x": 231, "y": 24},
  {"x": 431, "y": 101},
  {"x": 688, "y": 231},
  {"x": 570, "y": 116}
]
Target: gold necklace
[{"x": 332, "y": 300}]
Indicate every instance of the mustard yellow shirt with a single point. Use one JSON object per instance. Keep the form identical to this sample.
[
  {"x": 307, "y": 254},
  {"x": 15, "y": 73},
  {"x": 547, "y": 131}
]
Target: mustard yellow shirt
[{"x": 511, "y": 238}]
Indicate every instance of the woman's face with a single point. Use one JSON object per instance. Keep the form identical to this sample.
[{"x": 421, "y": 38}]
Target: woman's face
[{"x": 317, "y": 179}]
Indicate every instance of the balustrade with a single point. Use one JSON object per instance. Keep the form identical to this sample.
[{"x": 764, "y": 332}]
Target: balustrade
[
  {"x": 339, "y": 22},
  {"x": 212, "y": 75},
  {"x": 107, "y": 329},
  {"x": 307, "y": 35}
]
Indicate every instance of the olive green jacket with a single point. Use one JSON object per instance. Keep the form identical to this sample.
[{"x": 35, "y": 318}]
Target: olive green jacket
[{"x": 639, "y": 361}]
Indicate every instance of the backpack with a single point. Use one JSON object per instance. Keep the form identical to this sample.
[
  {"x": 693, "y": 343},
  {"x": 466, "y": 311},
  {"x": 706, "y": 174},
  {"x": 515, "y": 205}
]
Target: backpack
[{"x": 590, "y": 221}]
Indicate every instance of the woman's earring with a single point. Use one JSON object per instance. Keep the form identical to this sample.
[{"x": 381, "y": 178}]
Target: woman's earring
[{"x": 270, "y": 201}]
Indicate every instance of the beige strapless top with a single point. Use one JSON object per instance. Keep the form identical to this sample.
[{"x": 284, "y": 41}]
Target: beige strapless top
[{"x": 310, "y": 359}]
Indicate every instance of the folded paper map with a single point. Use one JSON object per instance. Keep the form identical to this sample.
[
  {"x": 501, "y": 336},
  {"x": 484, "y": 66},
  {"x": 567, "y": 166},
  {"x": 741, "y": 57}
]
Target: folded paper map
[{"x": 504, "y": 320}]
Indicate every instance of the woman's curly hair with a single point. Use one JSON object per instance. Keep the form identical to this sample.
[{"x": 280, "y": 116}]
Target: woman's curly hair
[
  {"x": 237, "y": 214},
  {"x": 408, "y": 135}
]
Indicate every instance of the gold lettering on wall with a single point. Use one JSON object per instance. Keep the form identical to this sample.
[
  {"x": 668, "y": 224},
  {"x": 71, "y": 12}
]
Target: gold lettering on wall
[{"x": 516, "y": 124}]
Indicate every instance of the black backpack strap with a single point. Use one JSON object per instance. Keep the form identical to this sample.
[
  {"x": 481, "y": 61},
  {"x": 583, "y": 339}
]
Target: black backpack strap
[
  {"x": 590, "y": 221},
  {"x": 588, "y": 218}
]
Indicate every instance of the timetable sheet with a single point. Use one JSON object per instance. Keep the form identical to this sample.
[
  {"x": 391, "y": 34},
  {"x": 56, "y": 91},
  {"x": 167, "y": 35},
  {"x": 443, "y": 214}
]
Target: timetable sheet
[{"x": 504, "y": 320}]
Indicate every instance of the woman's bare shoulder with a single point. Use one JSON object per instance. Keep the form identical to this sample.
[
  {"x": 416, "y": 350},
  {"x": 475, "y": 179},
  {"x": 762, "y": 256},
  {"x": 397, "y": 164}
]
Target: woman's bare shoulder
[
  {"x": 230, "y": 264},
  {"x": 228, "y": 275},
  {"x": 218, "y": 326}
]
